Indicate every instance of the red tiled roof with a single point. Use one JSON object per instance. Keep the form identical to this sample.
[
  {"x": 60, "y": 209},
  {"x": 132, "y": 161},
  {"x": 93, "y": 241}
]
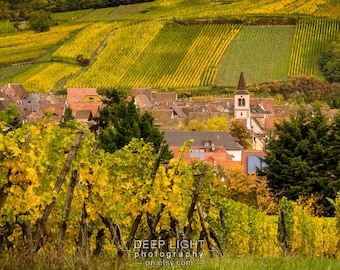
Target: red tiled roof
[
  {"x": 83, "y": 106},
  {"x": 15, "y": 92},
  {"x": 58, "y": 108},
  {"x": 77, "y": 94}
]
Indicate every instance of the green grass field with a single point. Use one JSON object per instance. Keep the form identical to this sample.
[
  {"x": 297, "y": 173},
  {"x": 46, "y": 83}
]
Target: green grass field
[
  {"x": 228, "y": 262},
  {"x": 261, "y": 52}
]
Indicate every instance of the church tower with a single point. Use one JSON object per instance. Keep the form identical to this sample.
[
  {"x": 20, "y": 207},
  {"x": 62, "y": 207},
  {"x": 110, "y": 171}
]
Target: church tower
[{"x": 242, "y": 101}]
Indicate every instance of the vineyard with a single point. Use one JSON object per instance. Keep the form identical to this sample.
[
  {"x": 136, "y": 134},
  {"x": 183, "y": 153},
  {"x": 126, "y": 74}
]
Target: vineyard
[
  {"x": 28, "y": 46},
  {"x": 44, "y": 77},
  {"x": 174, "y": 44},
  {"x": 175, "y": 57},
  {"x": 194, "y": 9},
  {"x": 260, "y": 52},
  {"x": 178, "y": 56},
  {"x": 310, "y": 38},
  {"x": 86, "y": 42},
  {"x": 59, "y": 194}
]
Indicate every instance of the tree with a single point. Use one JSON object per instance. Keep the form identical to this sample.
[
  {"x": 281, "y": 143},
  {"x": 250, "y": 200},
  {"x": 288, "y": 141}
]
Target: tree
[
  {"x": 10, "y": 118},
  {"x": 194, "y": 125},
  {"x": 211, "y": 124},
  {"x": 217, "y": 124},
  {"x": 4, "y": 7},
  {"x": 239, "y": 131},
  {"x": 40, "y": 21},
  {"x": 120, "y": 121},
  {"x": 301, "y": 160},
  {"x": 68, "y": 119},
  {"x": 330, "y": 62}
]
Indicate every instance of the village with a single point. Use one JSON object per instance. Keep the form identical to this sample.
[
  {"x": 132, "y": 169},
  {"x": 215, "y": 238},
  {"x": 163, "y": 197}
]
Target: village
[{"x": 258, "y": 115}]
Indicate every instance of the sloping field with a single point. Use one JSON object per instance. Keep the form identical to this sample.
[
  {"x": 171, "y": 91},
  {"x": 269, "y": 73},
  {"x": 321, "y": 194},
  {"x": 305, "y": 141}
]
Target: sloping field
[
  {"x": 86, "y": 41},
  {"x": 166, "y": 56},
  {"x": 122, "y": 12},
  {"x": 121, "y": 52},
  {"x": 261, "y": 52},
  {"x": 69, "y": 16},
  {"x": 157, "y": 53},
  {"x": 43, "y": 77},
  {"x": 330, "y": 10},
  {"x": 26, "y": 46},
  {"x": 184, "y": 9},
  {"x": 310, "y": 38}
]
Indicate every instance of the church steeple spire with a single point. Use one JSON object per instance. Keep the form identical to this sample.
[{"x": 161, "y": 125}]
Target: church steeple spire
[
  {"x": 241, "y": 82},
  {"x": 242, "y": 101}
]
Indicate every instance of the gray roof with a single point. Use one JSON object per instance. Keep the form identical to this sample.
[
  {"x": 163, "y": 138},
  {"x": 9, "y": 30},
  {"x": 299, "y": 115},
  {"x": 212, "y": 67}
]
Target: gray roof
[
  {"x": 178, "y": 111},
  {"x": 178, "y": 137}
]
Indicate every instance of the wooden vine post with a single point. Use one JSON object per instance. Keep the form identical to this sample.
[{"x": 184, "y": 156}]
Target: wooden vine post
[{"x": 41, "y": 225}]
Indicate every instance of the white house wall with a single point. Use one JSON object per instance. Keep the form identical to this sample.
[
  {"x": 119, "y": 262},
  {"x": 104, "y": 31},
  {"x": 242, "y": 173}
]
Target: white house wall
[{"x": 237, "y": 154}]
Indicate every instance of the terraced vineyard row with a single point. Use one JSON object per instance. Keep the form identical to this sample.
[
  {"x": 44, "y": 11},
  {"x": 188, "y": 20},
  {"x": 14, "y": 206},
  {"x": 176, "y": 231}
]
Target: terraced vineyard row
[
  {"x": 68, "y": 16},
  {"x": 329, "y": 10},
  {"x": 199, "y": 66},
  {"x": 178, "y": 56},
  {"x": 310, "y": 38},
  {"x": 221, "y": 8},
  {"x": 307, "y": 7},
  {"x": 43, "y": 77},
  {"x": 162, "y": 56},
  {"x": 118, "y": 56},
  {"x": 86, "y": 42},
  {"x": 169, "y": 9},
  {"x": 27, "y": 46}
]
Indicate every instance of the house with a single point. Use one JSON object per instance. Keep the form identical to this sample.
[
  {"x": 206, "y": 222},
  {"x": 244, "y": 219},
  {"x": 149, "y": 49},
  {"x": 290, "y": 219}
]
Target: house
[
  {"x": 215, "y": 148},
  {"x": 82, "y": 101},
  {"x": 143, "y": 102},
  {"x": 83, "y": 116},
  {"x": 14, "y": 92},
  {"x": 40, "y": 109},
  {"x": 257, "y": 114}
]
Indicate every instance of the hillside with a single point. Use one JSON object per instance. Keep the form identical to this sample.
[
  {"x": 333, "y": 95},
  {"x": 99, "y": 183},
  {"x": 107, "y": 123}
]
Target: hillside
[{"x": 171, "y": 44}]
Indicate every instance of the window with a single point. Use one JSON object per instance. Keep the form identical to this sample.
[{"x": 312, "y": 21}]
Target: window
[
  {"x": 241, "y": 101},
  {"x": 197, "y": 153},
  {"x": 207, "y": 143},
  {"x": 255, "y": 162}
]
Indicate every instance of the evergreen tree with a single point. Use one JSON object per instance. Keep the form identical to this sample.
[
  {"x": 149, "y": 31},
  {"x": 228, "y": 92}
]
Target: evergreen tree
[
  {"x": 330, "y": 62},
  {"x": 299, "y": 158},
  {"x": 120, "y": 121},
  {"x": 68, "y": 119}
]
